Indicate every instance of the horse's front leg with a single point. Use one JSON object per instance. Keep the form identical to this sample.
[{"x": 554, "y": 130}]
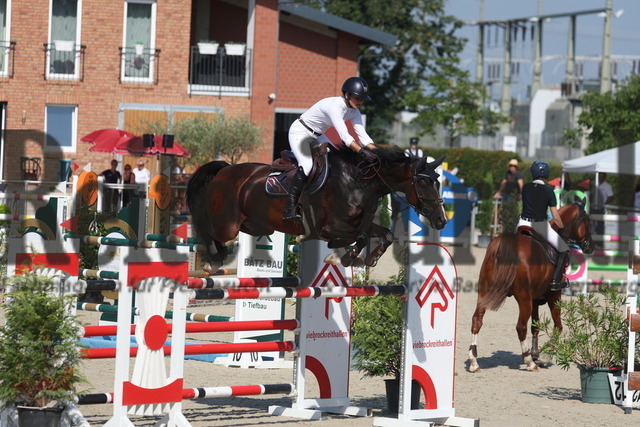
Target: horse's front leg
[
  {"x": 352, "y": 253},
  {"x": 387, "y": 239}
]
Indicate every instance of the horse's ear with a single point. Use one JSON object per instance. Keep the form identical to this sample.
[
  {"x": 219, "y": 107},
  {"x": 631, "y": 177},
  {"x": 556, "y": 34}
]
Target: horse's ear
[{"x": 437, "y": 162}]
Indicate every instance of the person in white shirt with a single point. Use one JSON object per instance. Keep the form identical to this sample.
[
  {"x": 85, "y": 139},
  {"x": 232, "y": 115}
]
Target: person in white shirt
[
  {"x": 142, "y": 174},
  {"x": 603, "y": 195},
  {"x": 413, "y": 151},
  {"x": 314, "y": 122}
]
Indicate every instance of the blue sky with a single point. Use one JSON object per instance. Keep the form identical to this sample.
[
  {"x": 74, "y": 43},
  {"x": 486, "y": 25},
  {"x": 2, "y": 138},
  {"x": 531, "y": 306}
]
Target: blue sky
[{"x": 589, "y": 33}]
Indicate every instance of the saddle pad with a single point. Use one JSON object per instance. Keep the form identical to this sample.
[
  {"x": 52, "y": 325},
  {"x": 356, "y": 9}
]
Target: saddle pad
[
  {"x": 551, "y": 252},
  {"x": 278, "y": 182}
]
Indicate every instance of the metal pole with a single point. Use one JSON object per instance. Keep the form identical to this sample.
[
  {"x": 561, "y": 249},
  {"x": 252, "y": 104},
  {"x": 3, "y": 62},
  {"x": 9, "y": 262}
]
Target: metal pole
[
  {"x": 537, "y": 54},
  {"x": 605, "y": 67},
  {"x": 570, "y": 75},
  {"x": 505, "y": 105}
]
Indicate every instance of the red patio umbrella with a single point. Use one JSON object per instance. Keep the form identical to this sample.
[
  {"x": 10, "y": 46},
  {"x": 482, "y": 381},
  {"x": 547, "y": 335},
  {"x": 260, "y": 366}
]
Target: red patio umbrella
[
  {"x": 135, "y": 145},
  {"x": 105, "y": 136}
]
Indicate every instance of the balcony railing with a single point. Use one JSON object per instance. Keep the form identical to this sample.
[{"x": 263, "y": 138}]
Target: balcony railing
[
  {"x": 64, "y": 60},
  {"x": 139, "y": 64},
  {"x": 7, "y": 54},
  {"x": 220, "y": 73}
]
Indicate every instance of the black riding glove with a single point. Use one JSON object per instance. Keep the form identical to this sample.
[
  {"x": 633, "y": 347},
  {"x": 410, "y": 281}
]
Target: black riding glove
[{"x": 369, "y": 156}]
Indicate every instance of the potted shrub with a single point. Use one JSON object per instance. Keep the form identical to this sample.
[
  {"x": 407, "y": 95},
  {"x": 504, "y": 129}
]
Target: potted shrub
[
  {"x": 377, "y": 339},
  {"x": 38, "y": 354},
  {"x": 483, "y": 222},
  {"x": 594, "y": 338}
]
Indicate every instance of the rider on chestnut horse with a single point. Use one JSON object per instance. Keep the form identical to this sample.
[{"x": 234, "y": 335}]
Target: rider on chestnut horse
[
  {"x": 536, "y": 198},
  {"x": 314, "y": 122}
]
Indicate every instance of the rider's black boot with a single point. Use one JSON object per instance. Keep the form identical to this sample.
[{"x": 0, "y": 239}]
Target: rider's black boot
[
  {"x": 557, "y": 283},
  {"x": 294, "y": 194}
]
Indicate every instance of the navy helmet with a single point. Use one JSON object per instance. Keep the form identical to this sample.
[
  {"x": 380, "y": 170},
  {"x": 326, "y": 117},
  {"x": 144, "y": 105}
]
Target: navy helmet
[
  {"x": 356, "y": 86},
  {"x": 539, "y": 169}
]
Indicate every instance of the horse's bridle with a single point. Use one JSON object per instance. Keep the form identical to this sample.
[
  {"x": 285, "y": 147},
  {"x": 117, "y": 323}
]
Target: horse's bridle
[
  {"x": 571, "y": 241},
  {"x": 417, "y": 176}
]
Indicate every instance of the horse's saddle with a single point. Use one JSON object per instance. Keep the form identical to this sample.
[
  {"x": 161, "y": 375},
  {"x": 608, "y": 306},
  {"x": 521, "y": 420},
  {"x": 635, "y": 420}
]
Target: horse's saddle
[
  {"x": 283, "y": 169},
  {"x": 551, "y": 252}
]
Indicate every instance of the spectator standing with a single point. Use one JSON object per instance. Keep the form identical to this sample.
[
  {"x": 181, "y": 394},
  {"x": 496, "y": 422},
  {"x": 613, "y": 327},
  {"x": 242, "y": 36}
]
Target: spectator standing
[
  {"x": 127, "y": 178},
  {"x": 413, "y": 150},
  {"x": 602, "y": 195},
  {"x": 111, "y": 195},
  {"x": 511, "y": 185},
  {"x": 142, "y": 176}
]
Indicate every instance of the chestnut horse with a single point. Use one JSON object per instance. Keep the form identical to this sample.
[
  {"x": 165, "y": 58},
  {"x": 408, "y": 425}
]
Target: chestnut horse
[
  {"x": 225, "y": 199},
  {"x": 517, "y": 265}
]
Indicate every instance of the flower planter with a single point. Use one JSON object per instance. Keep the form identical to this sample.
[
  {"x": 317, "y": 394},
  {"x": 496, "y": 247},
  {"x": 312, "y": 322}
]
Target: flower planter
[
  {"x": 29, "y": 416},
  {"x": 234, "y": 49},
  {"x": 392, "y": 388},
  {"x": 484, "y": 240},
  {"x": 64, "y": 45},
  {"x": 208, "y": 48},
  {"x": 594, "y": 383},
  {"x": 139, "y": 49}
]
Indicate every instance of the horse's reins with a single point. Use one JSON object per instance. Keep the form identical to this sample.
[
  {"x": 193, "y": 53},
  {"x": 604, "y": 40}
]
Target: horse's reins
[{"x": 375, "y": 171}]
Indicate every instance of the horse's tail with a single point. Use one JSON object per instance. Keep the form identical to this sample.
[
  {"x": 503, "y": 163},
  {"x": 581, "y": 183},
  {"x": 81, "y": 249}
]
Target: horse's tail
[
  {"x": 499, "y": 270},
  {"x": 199, "y": 180},
  {"x": 197, "y": 200}
]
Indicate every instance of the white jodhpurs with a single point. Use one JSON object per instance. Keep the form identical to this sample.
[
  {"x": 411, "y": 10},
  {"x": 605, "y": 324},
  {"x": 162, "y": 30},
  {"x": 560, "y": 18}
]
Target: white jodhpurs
[
  {"x": 300, "y": 140},
  {"x": 545, "y": 230}
]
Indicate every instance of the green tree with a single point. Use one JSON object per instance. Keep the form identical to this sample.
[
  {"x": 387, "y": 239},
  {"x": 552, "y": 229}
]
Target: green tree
[
  {"x": 609, "y": 120},
  {"x": 207, "y": 138},
  {"x": 235, "y": 136},
  {"x": 421, "y": 72}
]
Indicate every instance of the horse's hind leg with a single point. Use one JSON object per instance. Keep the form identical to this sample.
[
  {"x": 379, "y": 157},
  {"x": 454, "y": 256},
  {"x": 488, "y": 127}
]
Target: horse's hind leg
[
  {"x": 476, "y": 325},
  {"x": 525, "y": 306},
  {"x": 215, "y": 254}
]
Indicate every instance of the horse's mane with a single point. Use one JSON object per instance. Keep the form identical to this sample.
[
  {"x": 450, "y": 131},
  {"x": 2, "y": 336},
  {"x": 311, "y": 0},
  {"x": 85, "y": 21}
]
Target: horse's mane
[{"x": 388, "y": 155}]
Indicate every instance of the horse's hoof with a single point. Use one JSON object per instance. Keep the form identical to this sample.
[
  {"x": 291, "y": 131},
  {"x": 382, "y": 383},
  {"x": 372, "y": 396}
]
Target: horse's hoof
[
  {"x": 533, "y": 368},
  {"x": 332, "y": 259},
  {"x": 473, "y": 368},
  {"x": 372, "y": 262},
  {"x": 346, "y": 260}
]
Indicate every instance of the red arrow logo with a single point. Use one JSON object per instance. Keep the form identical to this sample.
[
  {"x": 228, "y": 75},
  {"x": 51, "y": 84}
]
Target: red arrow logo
[
  {"x": 435, "y": 282},
  {"x": 330, "y": 275}
]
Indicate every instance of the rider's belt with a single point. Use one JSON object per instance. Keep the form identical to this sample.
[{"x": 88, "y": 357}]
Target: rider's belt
[
  {"x": 308, "y": 128},
  {"x": 531, "y": 219}
]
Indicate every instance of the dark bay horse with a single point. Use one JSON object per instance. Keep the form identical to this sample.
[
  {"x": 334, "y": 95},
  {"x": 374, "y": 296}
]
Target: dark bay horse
[
  {"x": 517, "y": 265},
  {"x": 225, "y": 199}
]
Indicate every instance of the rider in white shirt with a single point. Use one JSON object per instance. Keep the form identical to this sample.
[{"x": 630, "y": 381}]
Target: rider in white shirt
[
  {"x": 413, "y": 151},
  {"x": 314, "y": 122}
]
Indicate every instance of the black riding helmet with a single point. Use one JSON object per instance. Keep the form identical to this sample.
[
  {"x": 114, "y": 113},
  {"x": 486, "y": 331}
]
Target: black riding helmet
[
  {"x": 539, "y": 169},
  {"x": 356, "y": 86}
]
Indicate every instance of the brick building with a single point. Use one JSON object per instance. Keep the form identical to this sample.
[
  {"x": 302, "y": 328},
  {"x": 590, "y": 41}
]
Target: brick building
[{"x": 70, "y": 67}]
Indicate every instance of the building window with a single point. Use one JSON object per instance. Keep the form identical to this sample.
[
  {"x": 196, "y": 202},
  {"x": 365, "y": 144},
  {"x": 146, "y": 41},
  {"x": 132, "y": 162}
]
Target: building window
[
  {"x": 5, "y": 45},
  {"x": 61, "y": 125},
  {"x": 138, "y": 53},
  {"x": 63, "y": 53}
]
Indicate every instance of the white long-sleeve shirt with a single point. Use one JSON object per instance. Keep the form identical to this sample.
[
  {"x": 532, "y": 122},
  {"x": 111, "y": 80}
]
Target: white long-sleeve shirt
[{"x": 334, "y": 111}]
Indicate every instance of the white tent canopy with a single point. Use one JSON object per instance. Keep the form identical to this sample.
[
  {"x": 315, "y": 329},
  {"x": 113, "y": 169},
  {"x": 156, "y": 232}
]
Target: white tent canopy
[{"x": 619, "y": 160}]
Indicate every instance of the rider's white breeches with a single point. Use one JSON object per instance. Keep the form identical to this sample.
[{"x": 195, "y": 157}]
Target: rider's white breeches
[
  {"x": 545, "y": 230},
  {"x": 300, "y": 139}
]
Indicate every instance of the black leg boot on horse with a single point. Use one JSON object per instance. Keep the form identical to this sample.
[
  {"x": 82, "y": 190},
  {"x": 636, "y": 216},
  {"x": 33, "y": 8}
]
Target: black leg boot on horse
[
  {"x": 557, "y": 283},
  {"x": 291, "y": 211}
]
